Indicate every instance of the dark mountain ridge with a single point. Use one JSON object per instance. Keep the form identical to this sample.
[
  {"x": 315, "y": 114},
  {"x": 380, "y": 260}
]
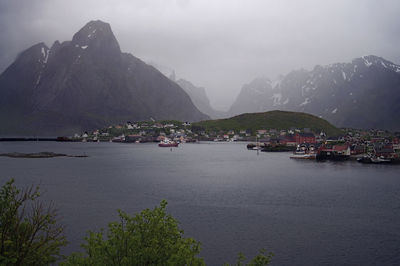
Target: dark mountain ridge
[
  {"x": 364, "y": 93},
  {"x": 200, "y": 99},
  {"x": 83, "y": 84}
]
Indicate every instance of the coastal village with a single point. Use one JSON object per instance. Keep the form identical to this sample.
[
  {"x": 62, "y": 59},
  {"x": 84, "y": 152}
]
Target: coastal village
[{"x": 369, "y": 146}]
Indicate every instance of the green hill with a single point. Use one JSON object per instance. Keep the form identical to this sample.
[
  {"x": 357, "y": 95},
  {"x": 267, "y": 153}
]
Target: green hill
[{"x": 270, "y": 120}]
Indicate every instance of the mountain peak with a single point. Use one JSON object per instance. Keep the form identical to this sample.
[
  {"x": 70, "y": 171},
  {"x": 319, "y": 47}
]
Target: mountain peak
[
  {"x": 36, "y": 52},
  {"x": 87, "y": 83},
  {"x": 96, "y": 34},
  {"x": 373, "y": 60}
]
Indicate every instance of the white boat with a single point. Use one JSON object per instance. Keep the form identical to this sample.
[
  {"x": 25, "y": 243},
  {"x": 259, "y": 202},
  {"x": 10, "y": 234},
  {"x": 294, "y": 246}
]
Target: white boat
[
  {"x": 303, "y": 153},
  {"x": 309, "y": 156}
]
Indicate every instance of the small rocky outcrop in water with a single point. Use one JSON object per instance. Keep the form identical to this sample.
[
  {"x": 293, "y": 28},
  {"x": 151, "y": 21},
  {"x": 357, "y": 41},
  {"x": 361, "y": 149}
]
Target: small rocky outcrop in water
[{"x": 38, "y": 155}]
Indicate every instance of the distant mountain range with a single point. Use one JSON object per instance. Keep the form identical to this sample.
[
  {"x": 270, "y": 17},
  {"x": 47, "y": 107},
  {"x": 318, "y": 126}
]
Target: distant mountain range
[
  {"x": 200, "y": 99},
  {"x": 362, "y": 94},
  {"x": 88, "y": 83},
  {"x": 197, "y": 94},
  {"x": 84, "y": 84}
]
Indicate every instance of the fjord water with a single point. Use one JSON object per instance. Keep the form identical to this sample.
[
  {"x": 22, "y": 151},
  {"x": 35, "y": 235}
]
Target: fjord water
[{"x": 229, "y": 198}]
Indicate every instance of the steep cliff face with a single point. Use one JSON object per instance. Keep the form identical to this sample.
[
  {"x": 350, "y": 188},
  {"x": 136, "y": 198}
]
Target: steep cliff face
[
  {"x": 254, "y": 97},
  {"x": 363, "y": 94},
  {"x": 200, "y": 99},
  {"x": 84, "y": 84}
]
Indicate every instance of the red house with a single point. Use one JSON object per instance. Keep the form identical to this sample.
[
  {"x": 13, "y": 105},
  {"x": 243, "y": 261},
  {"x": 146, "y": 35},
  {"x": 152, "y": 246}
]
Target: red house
[
  {"x": 290, "y": 141},
  {"x": 305, "y": 138}
]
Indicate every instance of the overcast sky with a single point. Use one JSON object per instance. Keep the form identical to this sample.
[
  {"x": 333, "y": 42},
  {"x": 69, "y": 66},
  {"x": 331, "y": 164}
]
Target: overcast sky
[{"x": 219, "y": 45}]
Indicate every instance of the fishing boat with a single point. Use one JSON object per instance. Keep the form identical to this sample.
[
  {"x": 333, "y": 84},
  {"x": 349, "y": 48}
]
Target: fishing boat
[
  {"x": 307, "y": 156},
  {"x": 374, "y": 159},
  {"x": 168, "y": 143},
  {"x": 304, "y": 152}
]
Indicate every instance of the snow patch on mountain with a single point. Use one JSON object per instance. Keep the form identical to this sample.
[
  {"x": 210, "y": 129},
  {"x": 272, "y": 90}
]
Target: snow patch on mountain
[
  {"x": 38, "y": 79},
  {"x": 45, "y": 54},
  {"x": 334, "y": 111},
  {"x": 306, "y": 101},
  {"x": 276, "y": 98},
  {"x": 256, "y": 91},
  {"x": 276, "y": 84},
  {"x": 366, "y": 62},
  {"x": 93, "y": 32}
]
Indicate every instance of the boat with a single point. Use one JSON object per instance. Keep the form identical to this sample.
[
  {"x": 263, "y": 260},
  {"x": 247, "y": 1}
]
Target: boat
[
  {"x": 277, "y": 148},
  {"x": 253, "y": 146},
  {"x": 303, "y": 152},
  {"x": 374, "y": 160},
  {"x": 308, "y": 156},
  {"x": 168, "y": 143}
]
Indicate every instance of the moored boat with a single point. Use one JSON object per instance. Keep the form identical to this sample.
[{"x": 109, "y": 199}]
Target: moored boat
[
  {"x": 374, "y": 160},
  {"x": 168, "y": 143},
  {"x": 308, "y": 156},
  {"x": 304, "y": 152}
]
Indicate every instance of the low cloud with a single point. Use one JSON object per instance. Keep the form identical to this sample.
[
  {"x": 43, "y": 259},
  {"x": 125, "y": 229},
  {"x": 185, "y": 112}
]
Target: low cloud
[{"x": 216, "y": 44}]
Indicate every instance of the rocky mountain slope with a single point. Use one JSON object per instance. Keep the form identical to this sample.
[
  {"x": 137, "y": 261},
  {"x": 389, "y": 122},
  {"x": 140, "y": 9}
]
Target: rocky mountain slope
[
  {"x": 83, "y": 84},
  {"x": 200, "y": 99},
  {"x": 362, "y": 94}
]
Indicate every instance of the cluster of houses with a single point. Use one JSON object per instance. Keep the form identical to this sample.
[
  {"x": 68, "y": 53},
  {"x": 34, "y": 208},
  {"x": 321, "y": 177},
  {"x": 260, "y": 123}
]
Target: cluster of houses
[
  {"x": 355, "y": 142},
  {"x": 150, "y": 131}
]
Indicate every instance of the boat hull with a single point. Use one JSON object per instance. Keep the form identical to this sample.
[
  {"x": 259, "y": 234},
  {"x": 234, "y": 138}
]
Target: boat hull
[
  {"x": 166, "y": 145},
  {"x": 322, "y": 156},
  {"x": 303, "y": 156}
]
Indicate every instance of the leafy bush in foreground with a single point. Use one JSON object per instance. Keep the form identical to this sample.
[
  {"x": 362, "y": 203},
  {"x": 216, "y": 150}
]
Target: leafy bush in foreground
[
  {"x": 31, "y": 235},
  {"x": 149, "y": 238},
  {"x": 29, "y": 232}
]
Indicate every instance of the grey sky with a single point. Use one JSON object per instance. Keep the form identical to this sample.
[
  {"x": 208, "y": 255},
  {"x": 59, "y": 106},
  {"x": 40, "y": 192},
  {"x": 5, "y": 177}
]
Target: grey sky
[{"x": 219, "y": 45}]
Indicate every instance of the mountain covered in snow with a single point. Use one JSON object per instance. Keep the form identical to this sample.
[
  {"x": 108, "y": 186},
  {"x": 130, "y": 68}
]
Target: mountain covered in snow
[
  {"x": 362, "y": 94},
  {"x": 253, "y": 97},
  {"x": 83, "y": 84}
]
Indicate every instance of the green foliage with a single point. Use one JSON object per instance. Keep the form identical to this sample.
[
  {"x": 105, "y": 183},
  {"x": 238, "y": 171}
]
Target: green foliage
[
  {"x": 260, "y": 259},
  {"x": 269, "y": 120},
  {"x": 30, "y": 235},
  {"x": 29, "y": 232},
  {"x": 152, "y": 237}
]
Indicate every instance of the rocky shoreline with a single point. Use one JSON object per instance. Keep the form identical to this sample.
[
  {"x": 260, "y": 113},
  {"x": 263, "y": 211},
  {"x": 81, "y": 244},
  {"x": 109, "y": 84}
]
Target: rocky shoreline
[{"x": 39, "y": 155}]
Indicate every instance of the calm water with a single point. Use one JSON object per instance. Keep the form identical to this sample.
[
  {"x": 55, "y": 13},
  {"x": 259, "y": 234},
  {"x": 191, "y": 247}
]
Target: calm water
[{"x": 229, "y": 198}]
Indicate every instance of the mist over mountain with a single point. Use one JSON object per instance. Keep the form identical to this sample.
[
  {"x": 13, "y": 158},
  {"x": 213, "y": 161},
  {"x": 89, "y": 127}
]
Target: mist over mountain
[
  {"x": 362, "y": 94},
  {"x": 197, "y": 94},
  {"x": 200, "y": 99},
  {"x": 253, "y": 97},
  {"x": 83, "y": 84}
]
